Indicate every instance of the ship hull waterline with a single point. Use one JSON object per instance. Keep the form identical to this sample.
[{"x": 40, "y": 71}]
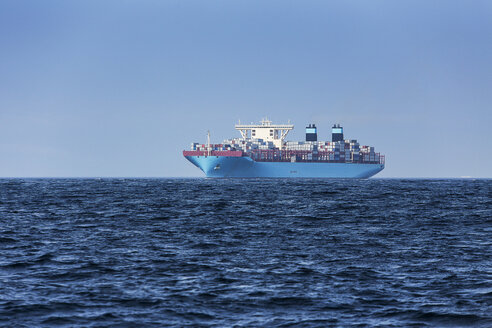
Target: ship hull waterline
[{"x": 245, "y": 167}]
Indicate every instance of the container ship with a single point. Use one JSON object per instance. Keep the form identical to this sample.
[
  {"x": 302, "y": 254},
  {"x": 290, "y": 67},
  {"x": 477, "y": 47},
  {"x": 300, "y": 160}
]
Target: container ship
[{"x": 262, "y": 152}]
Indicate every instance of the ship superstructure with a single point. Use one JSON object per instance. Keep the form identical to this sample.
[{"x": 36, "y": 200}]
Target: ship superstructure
[
  {"x": 262, "y": 151},
  {"x": 265, "y": 132}
]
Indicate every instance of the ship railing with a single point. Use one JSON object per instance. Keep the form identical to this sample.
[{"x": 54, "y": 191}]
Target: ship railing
[{"x": 217, "y": 153}]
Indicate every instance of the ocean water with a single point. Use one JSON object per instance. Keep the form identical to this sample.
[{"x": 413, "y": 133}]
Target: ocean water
[{"x": 252, "y": 253}]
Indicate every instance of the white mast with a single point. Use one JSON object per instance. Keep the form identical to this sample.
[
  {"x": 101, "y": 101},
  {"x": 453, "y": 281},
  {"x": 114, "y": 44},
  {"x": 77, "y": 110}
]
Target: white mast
[{"x": 208, "y": 142}]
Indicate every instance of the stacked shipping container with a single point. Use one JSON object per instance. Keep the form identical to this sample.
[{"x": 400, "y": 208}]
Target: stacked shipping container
[{"x": 346, "y": 151}]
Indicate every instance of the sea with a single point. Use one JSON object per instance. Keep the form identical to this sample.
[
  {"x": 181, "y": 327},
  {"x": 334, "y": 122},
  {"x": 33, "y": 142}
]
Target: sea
[{"x": 116, "y": 252}]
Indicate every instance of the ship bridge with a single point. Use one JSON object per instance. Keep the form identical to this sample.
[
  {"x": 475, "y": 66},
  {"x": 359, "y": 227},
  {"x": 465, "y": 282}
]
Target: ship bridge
[{"x": 265, "y": 130}]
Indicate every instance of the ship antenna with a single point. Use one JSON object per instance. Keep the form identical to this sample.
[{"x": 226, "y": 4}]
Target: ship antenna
[{"x": 208, "y": 142}]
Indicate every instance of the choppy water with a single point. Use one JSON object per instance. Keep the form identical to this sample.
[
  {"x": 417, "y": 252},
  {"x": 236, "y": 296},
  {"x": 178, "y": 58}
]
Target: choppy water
[{"x": 199, "y": 252}]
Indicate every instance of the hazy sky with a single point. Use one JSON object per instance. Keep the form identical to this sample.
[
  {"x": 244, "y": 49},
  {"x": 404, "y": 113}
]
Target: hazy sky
[{"x": 120, "y": 88}]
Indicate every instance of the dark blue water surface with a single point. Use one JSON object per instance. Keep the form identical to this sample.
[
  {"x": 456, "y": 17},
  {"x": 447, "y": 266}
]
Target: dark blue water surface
[{"x": 287, "y": 253}]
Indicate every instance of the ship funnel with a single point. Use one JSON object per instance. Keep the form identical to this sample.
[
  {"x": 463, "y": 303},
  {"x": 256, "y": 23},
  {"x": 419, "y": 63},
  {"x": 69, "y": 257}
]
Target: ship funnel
[
  {"x": 311, "y": 133},
  {"x": 336, "y": 133}
]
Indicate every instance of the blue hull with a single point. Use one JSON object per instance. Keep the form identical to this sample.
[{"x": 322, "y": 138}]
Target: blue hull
[{"x": 245, "y": 167}]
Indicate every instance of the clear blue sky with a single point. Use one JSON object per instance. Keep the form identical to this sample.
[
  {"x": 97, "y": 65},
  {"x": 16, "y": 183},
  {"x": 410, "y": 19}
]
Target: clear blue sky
[{"x": 120, "y": 88}]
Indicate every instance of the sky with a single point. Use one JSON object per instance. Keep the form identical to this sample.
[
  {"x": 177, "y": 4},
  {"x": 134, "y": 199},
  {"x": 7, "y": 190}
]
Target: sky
[{"x": 119, "y": 88}]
